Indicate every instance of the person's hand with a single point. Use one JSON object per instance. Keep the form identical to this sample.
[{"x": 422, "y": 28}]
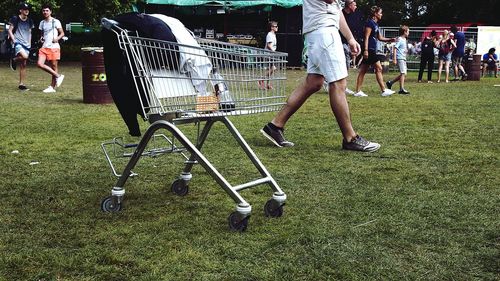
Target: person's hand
[
  {"x": 365, "y": 54},
  {"x": 54, "y": 40},
  {"x": 354, "y": 47}
]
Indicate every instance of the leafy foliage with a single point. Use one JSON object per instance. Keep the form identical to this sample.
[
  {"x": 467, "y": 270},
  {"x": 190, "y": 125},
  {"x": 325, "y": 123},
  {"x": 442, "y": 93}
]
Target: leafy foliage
[
  {"x": 87, "y": 11},
  {"x": 425, "y": 12}
]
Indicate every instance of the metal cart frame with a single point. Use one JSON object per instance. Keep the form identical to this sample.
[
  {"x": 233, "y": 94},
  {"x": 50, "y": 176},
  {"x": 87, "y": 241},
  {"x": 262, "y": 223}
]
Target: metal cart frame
[{"x": 245, "y": 69}]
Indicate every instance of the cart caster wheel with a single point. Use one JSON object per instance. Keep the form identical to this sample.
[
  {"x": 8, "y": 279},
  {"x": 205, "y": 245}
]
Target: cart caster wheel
[
  {"x": 180, "y": 187},
  {"x": 272, "y": 209},
  {"x": 108, "y": 207},
  {"x": 236, "y": 223}
]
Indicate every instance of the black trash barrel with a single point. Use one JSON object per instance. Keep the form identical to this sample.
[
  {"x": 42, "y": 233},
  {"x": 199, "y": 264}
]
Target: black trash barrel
[{"x": 473, "y": 67}]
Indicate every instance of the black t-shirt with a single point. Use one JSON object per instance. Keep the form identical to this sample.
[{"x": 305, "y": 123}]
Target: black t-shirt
[
  {"x": 355, "y": 21},
  {"x": 428, "y": 47}
]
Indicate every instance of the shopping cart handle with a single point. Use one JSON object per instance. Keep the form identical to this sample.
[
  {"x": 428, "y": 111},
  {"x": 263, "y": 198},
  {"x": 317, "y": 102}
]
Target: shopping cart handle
[{"x": 108, "y": 23}]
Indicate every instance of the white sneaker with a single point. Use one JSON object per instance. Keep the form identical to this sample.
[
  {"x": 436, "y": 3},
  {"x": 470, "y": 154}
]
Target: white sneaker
[
  {"x": 387, "y": 92},
  {"x": 360, "y": 94},
  {"x": 59, "y": 80},
  {"x": 49, "y": 90}
]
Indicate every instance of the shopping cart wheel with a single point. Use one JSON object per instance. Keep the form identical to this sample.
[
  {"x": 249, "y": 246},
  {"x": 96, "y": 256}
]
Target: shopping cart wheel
[
  {"x": 236, "y": 223},
  {"x": 273, "y": 209},
  {"x": 108, "y": 207},
  {"x": 180, "y": 187}
]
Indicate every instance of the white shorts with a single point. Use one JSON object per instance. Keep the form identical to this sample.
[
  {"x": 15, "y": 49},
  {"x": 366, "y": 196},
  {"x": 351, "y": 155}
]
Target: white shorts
[
  {"x": 402, "y": 66},
  {"x": 326, "y": 54}
]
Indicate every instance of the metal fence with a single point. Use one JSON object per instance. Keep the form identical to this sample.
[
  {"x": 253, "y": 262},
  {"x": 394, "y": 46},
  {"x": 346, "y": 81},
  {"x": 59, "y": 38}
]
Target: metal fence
[{"x": 415, "y": 38}]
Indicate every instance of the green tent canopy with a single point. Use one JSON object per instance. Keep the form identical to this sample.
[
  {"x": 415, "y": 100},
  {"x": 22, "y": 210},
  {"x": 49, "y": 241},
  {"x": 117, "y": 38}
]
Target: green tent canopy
[{"x": 234, "y": 4}]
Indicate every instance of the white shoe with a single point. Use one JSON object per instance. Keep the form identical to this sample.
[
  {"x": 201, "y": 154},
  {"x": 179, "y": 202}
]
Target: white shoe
[
  {"x": 349, "y": 91},
  {"x": 387, "y": 92},
  {"x": 49, "y": 90},
  {"x": 59, "y": 80},
  {"x": 360, "y": 94}
]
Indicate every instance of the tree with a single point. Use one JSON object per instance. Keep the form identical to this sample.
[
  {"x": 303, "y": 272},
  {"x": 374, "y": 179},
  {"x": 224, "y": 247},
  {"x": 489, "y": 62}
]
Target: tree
[
  {"x": 396, "y": 12},
  {"x": 426, "y": 12},
  {"x": 89, "y": 12},
  {"x": 481, "y": 11}
]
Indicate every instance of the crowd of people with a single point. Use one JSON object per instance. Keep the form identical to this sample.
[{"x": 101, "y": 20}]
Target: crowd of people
[
  {"x": 449, "y": 49},
  {"x": 20, "y": 32}
]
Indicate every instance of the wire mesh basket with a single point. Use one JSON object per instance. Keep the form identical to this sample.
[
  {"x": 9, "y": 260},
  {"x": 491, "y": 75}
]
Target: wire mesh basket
[{"x": 212, "y": 79}]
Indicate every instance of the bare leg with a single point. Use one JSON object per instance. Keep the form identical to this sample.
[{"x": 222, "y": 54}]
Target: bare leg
[
  {"x": 54, "y": 66},
  {"x": 360, "y": 60},
  {"x": 22, "y": 72},
  {"x": 41, "y": 64},
  {"x": 361, "y": 76},
  {"x": 340, "y": 108},
  {"x": 21, "y": 60},
  {"x": 398, "y": 78},
  {"x": 268, "y": 75},
  {"x": 311, "y": 85},
  {"x": 447, "y": 71},
  {"x": 440, "y": 68},
  {"x": 379, "y": 75}
]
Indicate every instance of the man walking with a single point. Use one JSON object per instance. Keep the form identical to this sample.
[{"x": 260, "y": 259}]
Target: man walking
[
  {"x": 458, "y": 53},
  {"x": 322, "y": 21},
  {"x": 20, "y": 35},
  {"x": 355, "y": 21},
  {"x": 52, "y": 32}
]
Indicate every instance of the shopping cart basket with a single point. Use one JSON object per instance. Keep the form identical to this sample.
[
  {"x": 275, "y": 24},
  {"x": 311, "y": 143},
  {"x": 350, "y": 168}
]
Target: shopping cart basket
[{"x": 178, "y": 84}]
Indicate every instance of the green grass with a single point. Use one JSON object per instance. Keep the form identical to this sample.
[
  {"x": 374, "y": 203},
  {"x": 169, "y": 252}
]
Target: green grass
[{"x": 425, "y": 207}]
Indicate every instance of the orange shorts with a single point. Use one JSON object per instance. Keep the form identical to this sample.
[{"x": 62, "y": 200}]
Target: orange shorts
[{"x": 50, "y": 53}]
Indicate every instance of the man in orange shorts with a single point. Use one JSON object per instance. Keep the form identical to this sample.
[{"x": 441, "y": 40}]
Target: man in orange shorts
[{"x": 52, "y": 32}]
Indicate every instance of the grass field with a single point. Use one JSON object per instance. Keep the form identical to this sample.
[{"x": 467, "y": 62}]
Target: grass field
[{"x": 424, "y": 207}]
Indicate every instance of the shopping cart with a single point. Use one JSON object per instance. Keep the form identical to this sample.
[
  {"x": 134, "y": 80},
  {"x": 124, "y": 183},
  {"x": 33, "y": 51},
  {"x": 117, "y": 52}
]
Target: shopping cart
[{"x": 204, "y": 84}]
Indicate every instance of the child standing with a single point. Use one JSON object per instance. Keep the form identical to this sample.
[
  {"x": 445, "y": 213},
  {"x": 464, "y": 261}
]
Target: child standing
[{"x": 400, "y": 50}]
